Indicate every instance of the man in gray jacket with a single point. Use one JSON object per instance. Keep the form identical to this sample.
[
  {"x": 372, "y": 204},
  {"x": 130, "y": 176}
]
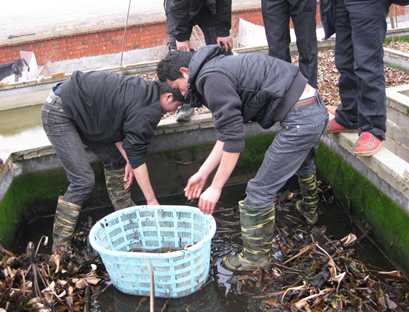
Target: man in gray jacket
[
  {"x": 251, "y": 88},
  {"x": 115, "y": 117}
]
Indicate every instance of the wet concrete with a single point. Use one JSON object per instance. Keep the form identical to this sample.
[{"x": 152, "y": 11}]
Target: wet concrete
[
  {"x": 220, "y": 293},
  {"x": 21, "y": 129}
]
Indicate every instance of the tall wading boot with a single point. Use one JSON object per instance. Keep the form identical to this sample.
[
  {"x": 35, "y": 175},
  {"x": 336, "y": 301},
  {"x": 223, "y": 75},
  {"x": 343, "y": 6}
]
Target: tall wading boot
[
  {"x": 257, "y": 233},
  {"x": 65, "y": 220},
  {"x": 120, "y": 198},
  {"x": 308, "y": 204}
]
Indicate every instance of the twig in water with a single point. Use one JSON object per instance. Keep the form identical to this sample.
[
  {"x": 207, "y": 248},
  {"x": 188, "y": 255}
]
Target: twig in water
[{"x": 152, "y": 290}]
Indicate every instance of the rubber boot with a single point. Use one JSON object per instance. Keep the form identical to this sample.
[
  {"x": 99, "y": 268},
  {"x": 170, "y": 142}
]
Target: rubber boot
[
  {"x": 65, "y": 220},
  {"x": 120, "y": 198},
  {"x": 257, "y": 232},
  {"x": 308, "y": 204}
]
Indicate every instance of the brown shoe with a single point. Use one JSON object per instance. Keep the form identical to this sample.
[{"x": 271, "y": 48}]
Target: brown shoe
[
  {"x": 367, "y": 144},
  {"x": 334, "y": 127}
]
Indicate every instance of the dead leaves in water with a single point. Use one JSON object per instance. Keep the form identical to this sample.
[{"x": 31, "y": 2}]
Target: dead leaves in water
[{"x": 35, "y": 281}]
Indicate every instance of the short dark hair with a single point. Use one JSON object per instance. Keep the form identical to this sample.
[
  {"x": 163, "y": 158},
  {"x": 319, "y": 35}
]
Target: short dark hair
[
  {"x": 165, "y": 88},
  {"x": 168, "y": 68}
]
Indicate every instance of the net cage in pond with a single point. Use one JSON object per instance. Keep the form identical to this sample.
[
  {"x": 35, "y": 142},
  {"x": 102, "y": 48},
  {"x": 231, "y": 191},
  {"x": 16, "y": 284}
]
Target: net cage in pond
[{"x": 172, "y": 241}]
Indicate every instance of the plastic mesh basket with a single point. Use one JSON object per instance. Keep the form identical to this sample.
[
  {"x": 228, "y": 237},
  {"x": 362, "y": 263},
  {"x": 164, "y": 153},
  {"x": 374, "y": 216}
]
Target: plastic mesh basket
[{"x": 177, "y": 273}]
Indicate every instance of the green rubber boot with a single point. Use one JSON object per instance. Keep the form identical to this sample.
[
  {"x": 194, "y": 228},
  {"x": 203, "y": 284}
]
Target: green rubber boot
[
  {"x": 257, "y": 232},
  {"x": 65, "y": 220},
  {"x": 308, "y": 204},
  {"x": 115, "y": 186}
]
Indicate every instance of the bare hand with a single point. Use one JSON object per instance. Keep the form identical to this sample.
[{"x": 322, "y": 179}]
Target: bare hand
[
  {"x": 128, "y": 177},
  {"x": 183, "y": 45},
  {"x": 225, "y": 42},
  {"x": 209, "y": 199},
  {"x": 195, "y": 185}
]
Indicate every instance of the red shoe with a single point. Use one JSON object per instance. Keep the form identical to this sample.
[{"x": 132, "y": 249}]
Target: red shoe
[
  {"x": 367, "y": 144},
  {"x": 333, "y": 127}
]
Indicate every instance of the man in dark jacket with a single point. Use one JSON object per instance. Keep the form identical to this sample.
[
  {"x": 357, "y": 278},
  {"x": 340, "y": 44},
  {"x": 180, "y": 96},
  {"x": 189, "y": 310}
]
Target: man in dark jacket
[
  {"x": 214, "y": 19},
  {"x": 251, "y": 88},
  {"x": 115, "y": 117},
  {"x": 360, "y": 31},
  {"x": 276, "y": 17}
]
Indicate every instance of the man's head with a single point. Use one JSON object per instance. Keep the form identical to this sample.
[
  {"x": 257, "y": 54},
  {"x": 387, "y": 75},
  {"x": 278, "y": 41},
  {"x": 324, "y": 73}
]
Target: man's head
[
  {"x": 174, "y": 70},
  {"x": 170, "y": 99}
]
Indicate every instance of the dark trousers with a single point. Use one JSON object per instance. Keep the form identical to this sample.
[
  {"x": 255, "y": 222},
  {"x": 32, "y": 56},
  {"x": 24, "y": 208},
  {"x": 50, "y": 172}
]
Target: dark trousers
[
  {"x": 360, "y": 32},
  {"x": 71, "y": 151},
  {"x": 276, "y": 16},
  {"x": 205, "y": 20}
]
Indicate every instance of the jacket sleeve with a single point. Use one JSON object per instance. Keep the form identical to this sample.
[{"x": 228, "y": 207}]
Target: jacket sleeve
[
  {"x": 225, "y": 105},
  {"x": 178, "y": 21},
  {"x": 223, "y": 17},
  {"x": 138, "y": 131}
]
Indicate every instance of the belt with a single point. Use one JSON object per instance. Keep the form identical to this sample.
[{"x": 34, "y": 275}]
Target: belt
[{"x": 305, "y": 102}]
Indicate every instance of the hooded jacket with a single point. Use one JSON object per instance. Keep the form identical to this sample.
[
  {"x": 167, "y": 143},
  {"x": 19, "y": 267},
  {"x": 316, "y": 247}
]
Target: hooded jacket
[
  {"x": 107, "y": 108},
  {"x": 242, "y": 88}
]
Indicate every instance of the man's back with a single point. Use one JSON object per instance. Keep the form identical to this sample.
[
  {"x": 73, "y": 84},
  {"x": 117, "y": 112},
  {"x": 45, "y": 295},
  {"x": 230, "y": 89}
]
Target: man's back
[{"x": 100, "y": 102}]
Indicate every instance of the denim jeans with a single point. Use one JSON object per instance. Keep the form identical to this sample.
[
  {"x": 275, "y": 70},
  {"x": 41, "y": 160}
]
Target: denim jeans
[
  {"x": 291, "y": 152},
  {"x": 71, "y": 151}
]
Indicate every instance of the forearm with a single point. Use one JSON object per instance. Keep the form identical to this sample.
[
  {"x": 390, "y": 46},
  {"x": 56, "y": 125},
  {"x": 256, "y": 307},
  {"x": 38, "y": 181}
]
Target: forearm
[
  {"x": 120, "y": 147},
  {"x": 142, "y": 178},
  {"x": 227, "y": 164},
  {"x": 213, "y": 159}
]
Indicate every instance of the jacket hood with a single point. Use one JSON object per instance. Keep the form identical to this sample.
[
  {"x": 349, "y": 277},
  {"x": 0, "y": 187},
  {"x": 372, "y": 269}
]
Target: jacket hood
[{"x": 201, "y": 57}]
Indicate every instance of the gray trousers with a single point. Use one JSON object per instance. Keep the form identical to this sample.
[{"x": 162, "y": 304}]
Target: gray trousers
[
  {"x": 276, "y": 17},
  {"x": 292, "y": 152},
  {"x": 71, "y": 151}
]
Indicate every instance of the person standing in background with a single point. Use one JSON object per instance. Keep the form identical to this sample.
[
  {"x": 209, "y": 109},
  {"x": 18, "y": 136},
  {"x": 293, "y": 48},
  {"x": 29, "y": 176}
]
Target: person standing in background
[
  {"x": 276, "y": 16},
  {"x": 214, "y": 19}
]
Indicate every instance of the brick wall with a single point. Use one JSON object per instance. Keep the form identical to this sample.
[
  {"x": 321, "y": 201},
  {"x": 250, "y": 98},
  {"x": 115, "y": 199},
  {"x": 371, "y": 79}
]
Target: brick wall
[{"x": 108, "y": 41}]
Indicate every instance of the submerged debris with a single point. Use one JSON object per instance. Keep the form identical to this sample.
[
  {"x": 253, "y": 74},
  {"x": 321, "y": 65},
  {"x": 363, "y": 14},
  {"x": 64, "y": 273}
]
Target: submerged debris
[
  {"x": 36, "y": 281},
  {"x": 312, "y": 272}
]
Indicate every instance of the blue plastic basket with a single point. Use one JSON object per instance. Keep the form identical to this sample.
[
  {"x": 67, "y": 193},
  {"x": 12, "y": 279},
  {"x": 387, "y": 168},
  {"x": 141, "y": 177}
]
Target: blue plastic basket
[{"x": 176, "y": 274}]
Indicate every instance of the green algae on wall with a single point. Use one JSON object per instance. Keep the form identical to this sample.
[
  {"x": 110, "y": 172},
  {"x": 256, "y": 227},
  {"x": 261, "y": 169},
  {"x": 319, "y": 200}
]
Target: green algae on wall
[
  {"x": 388, "y": 220},
  {"x": 23, "y": 192},
  {"x": 30, "y": 195}
]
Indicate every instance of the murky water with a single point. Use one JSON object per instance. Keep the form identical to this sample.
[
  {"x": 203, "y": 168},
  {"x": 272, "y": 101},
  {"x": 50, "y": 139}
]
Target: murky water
[
  {"x": 219, "y": 294},
  {"x": 21, "y": 129}
]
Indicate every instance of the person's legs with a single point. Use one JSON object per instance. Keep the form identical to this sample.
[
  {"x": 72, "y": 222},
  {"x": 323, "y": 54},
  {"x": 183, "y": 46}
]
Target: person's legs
[
  {"x": 114, "y": 169},
  {"x": 71, "y": 152},
  {"x": 170, "y": 24},
  {"x": 368, "y": 27},
  {"x": 276, "y": 17},
  {"x": 305, "y": 31},
  {"x": 300, "y": 133},
  {"x": 347, "y": 111}
]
